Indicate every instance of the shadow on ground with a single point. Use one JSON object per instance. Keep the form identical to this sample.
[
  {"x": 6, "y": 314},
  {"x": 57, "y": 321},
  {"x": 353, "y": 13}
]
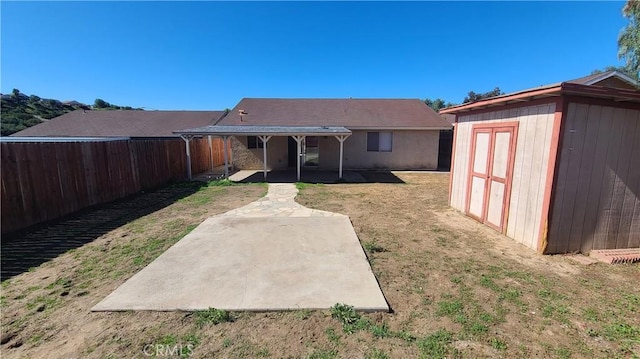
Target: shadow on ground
[
  {"x": 317, "y": 176},
  {"x": 38, "y": 244}
]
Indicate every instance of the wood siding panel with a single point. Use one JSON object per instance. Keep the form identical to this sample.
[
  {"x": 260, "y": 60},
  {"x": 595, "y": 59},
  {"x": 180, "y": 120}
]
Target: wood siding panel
[
  {"x": 632, "y": 194},
  {"x": 43, "y": 181},
  {"x": 568, "y": 176},
  {"x": 585, "y": 169},
  {"x": 596, "y": 192},
  {"x": 628, "y": 168},
  {"x": 530, "y": 166}
]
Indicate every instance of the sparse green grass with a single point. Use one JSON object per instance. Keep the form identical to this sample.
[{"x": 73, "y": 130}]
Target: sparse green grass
[
  {"x": 436, "y": 345},
  {"x": 376, "y": 354},
  {"x": 323, "y": 354},
  {"x": 460, "y": 303},
  {"x": 332, "y": 336}
]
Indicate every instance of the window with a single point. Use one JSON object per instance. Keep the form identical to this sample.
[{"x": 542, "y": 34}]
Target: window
[
  {"x": 379, "y": 141},
  {"x": 254, "y": 142}
]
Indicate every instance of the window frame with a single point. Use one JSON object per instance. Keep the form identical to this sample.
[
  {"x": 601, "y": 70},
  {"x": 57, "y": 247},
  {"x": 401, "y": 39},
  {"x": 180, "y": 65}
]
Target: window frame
[
  {"x": 374, "y": 145},
  {"x": 254, "y": 143}
]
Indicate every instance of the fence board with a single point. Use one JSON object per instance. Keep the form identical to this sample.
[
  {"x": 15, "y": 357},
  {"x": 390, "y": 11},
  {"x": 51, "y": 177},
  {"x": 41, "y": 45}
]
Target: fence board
[{"x": 42, "y": 181}]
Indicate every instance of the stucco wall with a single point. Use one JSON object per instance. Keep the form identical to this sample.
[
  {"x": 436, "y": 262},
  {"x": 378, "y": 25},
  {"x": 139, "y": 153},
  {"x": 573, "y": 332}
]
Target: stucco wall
[{"x": 411, "y": 150}]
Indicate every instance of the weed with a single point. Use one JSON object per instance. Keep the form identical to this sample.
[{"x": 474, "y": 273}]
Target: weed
[
  {"x": 486, "y": 281},
  {"x": 323, "y": 354},
  {"x": 381, "y": 331},
  {"x": 344, "y": 313},
  {"x": 456, "y": 280},
  {"x": 590, "y": 314},
  {"x": 435, "y": 345},
  {"x": 449, "y": 307},
  {"x": 303, "y": 314},
  {"x": 498, "y": 344},
  {"x": 332, "y": 336},
  {"x": 263, "y": 353},
  {"x": 372, "y": 247},
  {"x": 477, "y": 329},
  {"x": 360, "y": 324},
  {"x": 226, "y": 343},
  {"x": 212, "y": 316},
  {"x": 376, "y": 354},
  {"x": 404, "y": 336},
  {"x": 563, "y": 353},
  {"x": 351, "y": 321},
  {"x": 622, "y": 331}
]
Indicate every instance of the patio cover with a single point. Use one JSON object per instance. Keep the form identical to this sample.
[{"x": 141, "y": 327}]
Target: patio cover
[{"x": 264, "y": 133}]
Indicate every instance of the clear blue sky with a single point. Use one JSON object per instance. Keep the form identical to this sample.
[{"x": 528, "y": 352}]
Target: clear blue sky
[{"x": 208, "y": 55}]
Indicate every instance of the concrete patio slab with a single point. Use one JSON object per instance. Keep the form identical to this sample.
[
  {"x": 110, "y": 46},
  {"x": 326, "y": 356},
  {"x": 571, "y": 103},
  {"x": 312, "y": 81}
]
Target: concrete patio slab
[{"x": 272, "y": 254}]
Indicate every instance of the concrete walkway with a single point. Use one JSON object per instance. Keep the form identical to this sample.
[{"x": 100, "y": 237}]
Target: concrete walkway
[{"x": 272, "y": 254}]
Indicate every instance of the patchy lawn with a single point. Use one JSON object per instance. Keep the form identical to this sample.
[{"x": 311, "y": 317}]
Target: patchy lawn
[{"x": 457, "y": 289}]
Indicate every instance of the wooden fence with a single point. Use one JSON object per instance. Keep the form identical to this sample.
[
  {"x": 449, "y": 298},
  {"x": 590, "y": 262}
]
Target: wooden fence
[{"x": 42, "y": 181}]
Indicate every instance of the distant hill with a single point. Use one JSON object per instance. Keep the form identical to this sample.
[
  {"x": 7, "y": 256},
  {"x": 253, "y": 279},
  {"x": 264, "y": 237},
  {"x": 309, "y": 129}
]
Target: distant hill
[{"x": 19, "y": 111}]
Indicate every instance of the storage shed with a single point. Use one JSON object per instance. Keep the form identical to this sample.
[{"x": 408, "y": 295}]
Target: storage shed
[{"x": 556, "y": 168}]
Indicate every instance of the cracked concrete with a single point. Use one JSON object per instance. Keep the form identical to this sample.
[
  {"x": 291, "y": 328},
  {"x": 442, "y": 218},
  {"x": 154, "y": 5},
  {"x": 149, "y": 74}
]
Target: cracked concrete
[{"x": 272, "y": 254}]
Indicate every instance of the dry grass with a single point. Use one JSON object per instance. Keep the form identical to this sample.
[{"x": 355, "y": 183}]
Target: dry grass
[{"x": 457, "y": 289}]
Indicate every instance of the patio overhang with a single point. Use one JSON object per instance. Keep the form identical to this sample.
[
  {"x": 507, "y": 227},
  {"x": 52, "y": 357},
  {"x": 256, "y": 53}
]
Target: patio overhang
[{"x": 264, "y": 133}]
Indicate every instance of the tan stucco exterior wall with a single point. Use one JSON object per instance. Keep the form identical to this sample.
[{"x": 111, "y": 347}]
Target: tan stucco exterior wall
[{"x": 410, "y": 150}]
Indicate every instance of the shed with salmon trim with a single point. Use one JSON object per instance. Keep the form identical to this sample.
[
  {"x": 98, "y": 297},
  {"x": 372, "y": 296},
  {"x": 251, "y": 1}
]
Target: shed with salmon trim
[{"x": 556, "y": 168}]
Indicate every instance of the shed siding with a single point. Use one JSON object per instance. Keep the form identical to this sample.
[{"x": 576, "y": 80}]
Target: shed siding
[
  {"x": 530, "y": 166},
  {"x": 595, "y": 201}
]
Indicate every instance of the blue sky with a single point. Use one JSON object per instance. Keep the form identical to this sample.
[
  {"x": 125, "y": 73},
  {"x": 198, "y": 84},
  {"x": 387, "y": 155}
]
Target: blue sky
[{"x": 208, "y": 55}]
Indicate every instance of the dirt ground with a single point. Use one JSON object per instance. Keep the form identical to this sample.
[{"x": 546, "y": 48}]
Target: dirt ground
[{"x": 457, "y": 289}]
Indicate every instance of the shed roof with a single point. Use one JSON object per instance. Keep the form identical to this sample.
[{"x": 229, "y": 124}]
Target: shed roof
[
  {"x": 122, "y": 123},
  {"x": 349, "y": 113},
  {"x": 565, "y": 88}
]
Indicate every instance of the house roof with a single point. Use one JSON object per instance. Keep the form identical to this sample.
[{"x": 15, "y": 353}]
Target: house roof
[
  {"x": 223, "y": 130},
  {"x": 118, "y": 123},
  {"x": 595, "y": 78},
  {"x": 349, "y": 113}
]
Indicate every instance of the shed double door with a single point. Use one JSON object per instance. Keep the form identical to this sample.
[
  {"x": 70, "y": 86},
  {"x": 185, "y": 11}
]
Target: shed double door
[{"x": 491, "y": 169}]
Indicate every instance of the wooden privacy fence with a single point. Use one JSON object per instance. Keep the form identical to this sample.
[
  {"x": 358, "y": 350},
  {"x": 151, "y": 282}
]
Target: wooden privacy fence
[{"x": 42, "y": 181}]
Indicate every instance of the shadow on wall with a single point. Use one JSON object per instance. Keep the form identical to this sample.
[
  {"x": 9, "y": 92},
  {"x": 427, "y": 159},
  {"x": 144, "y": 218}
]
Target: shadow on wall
[
  {"x": 38, "y": 244},
  {"x": 319, "y": 176}
]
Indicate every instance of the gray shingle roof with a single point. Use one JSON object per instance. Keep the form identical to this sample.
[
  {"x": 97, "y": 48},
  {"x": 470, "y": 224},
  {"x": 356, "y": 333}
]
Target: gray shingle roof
[
  {"x": 122, "y": 123},
  {"x": 349, "y": 113}
]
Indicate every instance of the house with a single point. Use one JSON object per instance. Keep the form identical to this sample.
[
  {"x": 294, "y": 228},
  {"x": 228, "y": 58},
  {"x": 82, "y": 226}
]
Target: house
[
  {"x": 121, "y": 123},
  {"x": 556, "y": 168},
  {"x": 331, "y": 134}
]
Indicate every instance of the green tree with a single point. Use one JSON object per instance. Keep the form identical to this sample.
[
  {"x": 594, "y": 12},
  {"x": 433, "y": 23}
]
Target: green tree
[
  {"x": 437, "y": 104},
  {"x": 629, "y": 39},
  {"x": 472, "y": 96},
  {"x": 100, "y": 103}
]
